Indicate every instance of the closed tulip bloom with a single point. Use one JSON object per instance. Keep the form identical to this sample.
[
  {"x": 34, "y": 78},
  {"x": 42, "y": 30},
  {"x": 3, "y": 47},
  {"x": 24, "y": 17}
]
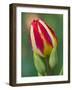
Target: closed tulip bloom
[{"x": 43, "y": 38}]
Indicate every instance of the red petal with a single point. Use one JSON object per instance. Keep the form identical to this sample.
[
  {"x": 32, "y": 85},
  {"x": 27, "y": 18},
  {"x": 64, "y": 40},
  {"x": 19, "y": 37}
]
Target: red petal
[
  {"x": 38, "y": 39},
  {"x": 53, "y": 33},
  {"x": 45, "y": 33}
]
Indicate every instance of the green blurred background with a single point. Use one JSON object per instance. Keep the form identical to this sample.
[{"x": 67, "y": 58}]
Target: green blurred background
[{"x": 55, "y": 21}]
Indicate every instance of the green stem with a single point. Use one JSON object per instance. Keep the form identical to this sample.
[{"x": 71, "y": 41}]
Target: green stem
[{"x": 47, "y": 66}]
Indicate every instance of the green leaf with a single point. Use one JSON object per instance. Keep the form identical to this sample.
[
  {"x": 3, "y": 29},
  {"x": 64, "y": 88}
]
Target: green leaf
[
  {"x": 40, "y": 65},
  {"x": 39, "y": 74},
  {"x": 53, "y": 60},
  {"x": 61, "y": 72}
]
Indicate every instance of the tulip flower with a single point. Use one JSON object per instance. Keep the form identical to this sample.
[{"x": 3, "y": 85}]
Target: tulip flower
[
  {"x": 44, "y": 43},
  {"x": 43, "y": 38}
]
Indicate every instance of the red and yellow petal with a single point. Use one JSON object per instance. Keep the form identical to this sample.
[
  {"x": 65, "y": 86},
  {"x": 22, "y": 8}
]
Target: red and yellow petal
[{"x": 43, "y": 38}]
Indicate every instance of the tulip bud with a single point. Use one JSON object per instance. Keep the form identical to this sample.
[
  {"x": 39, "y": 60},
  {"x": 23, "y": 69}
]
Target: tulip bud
[{"x": 43, "y": 38}]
